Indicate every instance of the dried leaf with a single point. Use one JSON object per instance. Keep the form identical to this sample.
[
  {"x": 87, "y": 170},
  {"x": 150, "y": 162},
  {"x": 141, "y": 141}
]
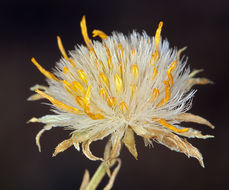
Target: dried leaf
[
  {"x": 40, "y": 87},
  {"x": 199, "y": 81},
  {"x": 85, "y": 181},
  {"x": 106, "y": 156},
  {"x": 116, "y": 144},
  {"x": 87, "y": 151},
  {"x": 35, "y": 97},
  {"x": 38, "y": 136},
  {"x": 192, "y": 133},
  {"x": 170, "y": 140},
  {"x": 129, "y": 142},
  {"x": 113, "y": 175},
  {"x": 195, "y": 72},
  {"x": 180, "y": 145},
  {"x": 33, "y": 120},
  {"x": 64, "y": 145},
  {"x": 194, "y": 152},
  {"x": 148, "y": 142},
  {"x": 179, "y": 53},
  {"x": 188, "y": 117}
]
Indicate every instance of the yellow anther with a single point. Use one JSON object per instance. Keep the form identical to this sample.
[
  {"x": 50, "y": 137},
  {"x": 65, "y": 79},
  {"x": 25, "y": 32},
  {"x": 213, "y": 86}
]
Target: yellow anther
[
  {"x": 63, "y": 52},
  {"x": 84, "y": 32},
  {"x": 71, "y": 87},
  {"x": 95, "y": 116},
  {"x": 155, "y": 94},
  {"x": 72, "y": 62},
  {"x": 80, "y": 101},
  {"x": 120, "y": 48},
  {"x": 61, "y": 48},
  {"x": 132, "y": 51},
  {"x": 68, "y": 90},
  {"x": 103, "y": 93},
  {"x": 104, "y": 78},
  {"x": 82, "y": 76},
  {"x": 43, "y": 71},
  {"x": 109, "y": 59},
  {"x": 154, "y": 57},
  {"x": 60, "y": 104},
  {"x": 112, "y": 101},
  {"x": 134, "y": 89},
  {"x": 87, "y": 95},
  {"x": 78, "y": 86},
  {"x": 155, "y": 71},
  {"x": 158, "y": 35},
  {"x": 118, "y": 83},
  {"x": 123, "y": 107},
  {"x": 120, "y": 69},
  {"x": 167, "y": 94},
  {"x": 135, "y": 70},
  {"x": 99, "y": 33},
  {"x": 99, "y": 64},
  {"x": 171, "y": 68},
  {"x": 171, "y": 127},
  {"x": 65, "y": 70}
]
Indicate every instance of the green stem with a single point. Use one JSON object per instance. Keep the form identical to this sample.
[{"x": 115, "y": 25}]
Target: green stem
[{"x": 97, "y": 177}]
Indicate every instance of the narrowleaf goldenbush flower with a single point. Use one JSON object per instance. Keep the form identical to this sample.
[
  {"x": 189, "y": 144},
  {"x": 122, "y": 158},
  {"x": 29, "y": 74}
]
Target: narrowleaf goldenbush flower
[{"x": 118, "y": 87}]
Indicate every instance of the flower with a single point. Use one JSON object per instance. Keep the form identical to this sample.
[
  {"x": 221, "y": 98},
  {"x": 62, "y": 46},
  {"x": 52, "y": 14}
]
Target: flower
[{"x": 118, "y": 87}]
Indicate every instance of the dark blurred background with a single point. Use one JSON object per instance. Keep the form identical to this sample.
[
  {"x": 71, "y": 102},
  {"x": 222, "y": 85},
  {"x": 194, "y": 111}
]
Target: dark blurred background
[{"x": 30, "y": 28}]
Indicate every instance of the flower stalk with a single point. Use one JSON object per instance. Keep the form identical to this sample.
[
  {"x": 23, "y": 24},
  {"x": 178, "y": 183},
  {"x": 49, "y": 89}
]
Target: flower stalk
[{"x": 97, "y": 177}]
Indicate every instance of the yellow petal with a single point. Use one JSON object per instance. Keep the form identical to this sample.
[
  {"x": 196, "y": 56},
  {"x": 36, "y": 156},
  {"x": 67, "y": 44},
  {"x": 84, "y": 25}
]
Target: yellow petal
[
  {"x": 60, "y": 104},
  {"x": 158, "y": 35},
  {"x": 171, "y": 127},
  {"x": 84, "y": 32},
  {"x": 61, "y": 48},
  {"x": 43, "y": 71},
  {"x": 99, "y": 33}
]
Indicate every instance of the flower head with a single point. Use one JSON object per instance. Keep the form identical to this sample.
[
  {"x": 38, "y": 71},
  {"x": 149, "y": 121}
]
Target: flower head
[{"x": 118, "y": 87}]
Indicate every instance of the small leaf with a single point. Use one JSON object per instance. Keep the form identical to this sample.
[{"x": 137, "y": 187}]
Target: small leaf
[
  {"x": 188, "y": 117},
  {"x": 87, "y": 151},
  {"x": 85, "y": 181},
  {"x": 64, "y": 145},
  {"x": 129, "y": 142}
]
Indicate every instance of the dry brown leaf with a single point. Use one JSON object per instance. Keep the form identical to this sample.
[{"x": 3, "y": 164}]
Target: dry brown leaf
[
  {"x": 188, "y": 117},
  {"x": 85, "y": 181},
  {"x": 64, "y": 145},
  {"x": 116, "y": 144},
  {"x": 199, "y": 81},
  {"x": 171, "y": 141},
  {"x": 35, "y": 97},
  {"x": 38, "y": 136},
  {"x": 113, "y": 175},
  {"x": 87, "y": 151},
  {"x": 180, "y": 145},
  {"x": 129, "y": 142},
  {"x": 192, "y": 133}
]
